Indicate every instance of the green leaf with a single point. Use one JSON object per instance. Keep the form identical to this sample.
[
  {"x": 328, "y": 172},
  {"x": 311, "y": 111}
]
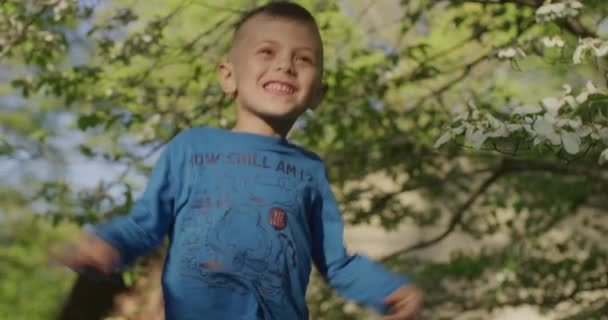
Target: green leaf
[
  {"x": 86, "y": 150},
  {"x": 128, "y": 278},
  {"x": 595, "y": 106},
  {"x": 40, "y": 135},
  {"x": 88, "y": 121}
]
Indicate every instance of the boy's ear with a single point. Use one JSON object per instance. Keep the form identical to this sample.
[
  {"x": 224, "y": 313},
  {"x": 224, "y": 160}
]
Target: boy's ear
[
  {"x": 319, "y": 96},
  {"x": 225, "y": 74}
]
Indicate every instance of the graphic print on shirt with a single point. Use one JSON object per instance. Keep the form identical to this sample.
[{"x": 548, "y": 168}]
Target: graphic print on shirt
[{"x": 237, "y": 229}]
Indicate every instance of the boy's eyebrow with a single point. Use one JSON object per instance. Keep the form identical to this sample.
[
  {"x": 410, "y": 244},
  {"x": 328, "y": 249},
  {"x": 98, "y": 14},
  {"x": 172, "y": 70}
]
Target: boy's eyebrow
[{"x": 307, "y": 48}]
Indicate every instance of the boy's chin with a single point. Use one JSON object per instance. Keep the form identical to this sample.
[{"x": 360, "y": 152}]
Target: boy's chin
[
  {"x": 276, "y": 113},
  {"x": 281, "y": 113},
  {"x": 280, "y": 117}
]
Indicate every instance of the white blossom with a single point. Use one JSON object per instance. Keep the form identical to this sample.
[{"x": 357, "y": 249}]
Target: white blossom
[
  {"x": 602, "y": 133},
  {"x": 570, "y": 100},
  {"x": 550, "y": 11},
  {"x": 583, "y": 131},
  {"x": 507, "y": 53},
  {"x": 445, "y": 137},
  {"x": 60, "y": 7},
  {"x": 544, "y": 128},
  {"x": 597, "y": 46},
  {"x": 458, "y": 130},
  {"x": 588, "y": 90},
  {"x": 571, "y": 142},
  {"x": 492, "y": 121},
  {"x": 476, "y": 138},
  {"x": 499, "y": 129},
  {"x": 603, "y": 157},
  {"x": 555, "y": 41},
  {"x": 575, "y": 123},
  {"x": 461, "y": 113},
  {"x": 512, "y": 127},
  {"x": 546, "y": 122},
  {"x": 552, "y": 105},
  {"x": 500, "y": 132},
  {"x": 510, "y": 53},
  {"x": 148, "y": 132},
  {"x": 527, "y": 109},
  {"x": 47, "y": 36}
]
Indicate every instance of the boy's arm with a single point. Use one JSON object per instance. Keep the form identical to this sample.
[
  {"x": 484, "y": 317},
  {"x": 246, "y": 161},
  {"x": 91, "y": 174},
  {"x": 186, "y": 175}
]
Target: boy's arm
[
  {"x": 144, "y": 228},
  {"x": 354, "y": 277}
]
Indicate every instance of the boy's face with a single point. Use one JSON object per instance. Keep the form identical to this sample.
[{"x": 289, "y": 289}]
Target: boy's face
[{"x": 274, "y": 68}]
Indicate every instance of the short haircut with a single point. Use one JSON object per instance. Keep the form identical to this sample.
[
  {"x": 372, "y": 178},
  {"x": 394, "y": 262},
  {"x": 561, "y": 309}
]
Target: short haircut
[{"x": 280, "y": 9}]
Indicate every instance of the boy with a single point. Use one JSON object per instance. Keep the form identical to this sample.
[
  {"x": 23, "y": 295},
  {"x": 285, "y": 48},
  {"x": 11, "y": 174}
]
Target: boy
[{"x": 246, "y": 210}]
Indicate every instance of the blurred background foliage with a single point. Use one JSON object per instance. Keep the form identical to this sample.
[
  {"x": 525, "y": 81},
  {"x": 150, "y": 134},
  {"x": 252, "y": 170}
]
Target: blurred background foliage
[{"x": 458, "y": 107}]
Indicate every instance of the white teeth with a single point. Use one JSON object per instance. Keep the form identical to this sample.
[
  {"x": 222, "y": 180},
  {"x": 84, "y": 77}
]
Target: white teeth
[{"x": 279, "y": 87}]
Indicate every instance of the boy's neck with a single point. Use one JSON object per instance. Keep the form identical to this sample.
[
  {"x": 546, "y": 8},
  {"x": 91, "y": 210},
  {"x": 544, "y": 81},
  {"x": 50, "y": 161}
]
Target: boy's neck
[{"x": 263, "y": 127}]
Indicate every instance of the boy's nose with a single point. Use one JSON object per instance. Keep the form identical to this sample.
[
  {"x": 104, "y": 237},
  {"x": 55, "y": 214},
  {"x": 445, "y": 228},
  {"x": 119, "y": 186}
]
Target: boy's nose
[{"x": 285, "y": 65}]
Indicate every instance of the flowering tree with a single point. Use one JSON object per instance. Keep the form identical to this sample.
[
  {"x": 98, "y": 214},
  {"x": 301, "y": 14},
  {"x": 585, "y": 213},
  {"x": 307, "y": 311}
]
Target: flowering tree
[
  {"x": 490, "y": 113},
  {"x": 574, "y": 123}
]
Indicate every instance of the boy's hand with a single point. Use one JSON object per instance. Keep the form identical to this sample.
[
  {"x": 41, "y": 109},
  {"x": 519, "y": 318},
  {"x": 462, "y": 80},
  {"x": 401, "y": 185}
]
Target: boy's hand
[
  {"x": 404, "y": 303},
  {"x": 89, "y": 251}
]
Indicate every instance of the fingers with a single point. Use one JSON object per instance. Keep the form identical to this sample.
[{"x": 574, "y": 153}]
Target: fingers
[
  {"x": 77, "y": 257},
  {"x": 101, "y": 254},
  {"x": 404, "y": 303},
  {"x": 66, "y": 254},
  {"x": 392, "y": 299},
  {"x": 412, "y": 300},
  {"x": 408, "y": 312},
  {"x": 88, "y": 252},
  {"x": 395, "y": 297}
]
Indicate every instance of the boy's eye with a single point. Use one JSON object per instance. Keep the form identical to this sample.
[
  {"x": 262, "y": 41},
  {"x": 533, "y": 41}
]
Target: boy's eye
[
  {"x": 304, "y": 59},
  {"x": 266, "y": 51}
]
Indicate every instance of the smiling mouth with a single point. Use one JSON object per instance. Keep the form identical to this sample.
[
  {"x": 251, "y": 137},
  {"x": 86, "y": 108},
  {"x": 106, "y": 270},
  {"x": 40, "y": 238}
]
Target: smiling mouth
[{"x": 279, "y": 88}]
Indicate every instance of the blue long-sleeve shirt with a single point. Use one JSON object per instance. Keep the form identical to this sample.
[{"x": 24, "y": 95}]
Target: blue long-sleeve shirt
[{"x": 245, "y": 214}]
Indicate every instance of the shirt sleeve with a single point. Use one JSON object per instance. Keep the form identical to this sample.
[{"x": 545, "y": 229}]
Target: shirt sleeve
[
  {"x": 146, "y": 225},
  {"x": 355, "y": 277}
]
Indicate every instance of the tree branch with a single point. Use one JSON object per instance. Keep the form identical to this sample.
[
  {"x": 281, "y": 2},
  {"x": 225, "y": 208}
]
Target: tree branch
[
  {"x": 572, "y": 24},
  {"x": 205, "y": 4},
  {"x": 577, "y": 28},
  {"x": 513, "y": 164},
  {"x": 527, "y": 3},
  {"x": 456, "y": 218},
  {"x": 465, "y": 72},
  {"x": 508, "y": 165}
]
